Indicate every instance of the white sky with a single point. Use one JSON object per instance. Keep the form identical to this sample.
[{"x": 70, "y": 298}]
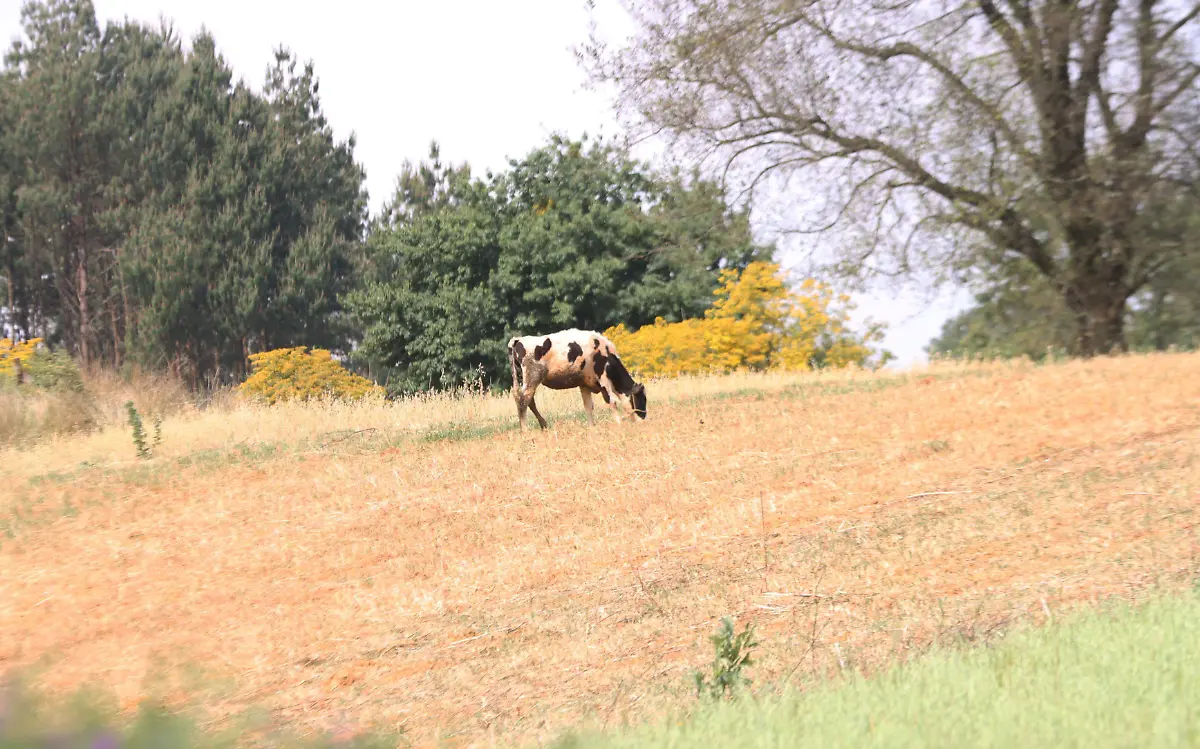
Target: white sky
[{"x": 489, "y": 80}]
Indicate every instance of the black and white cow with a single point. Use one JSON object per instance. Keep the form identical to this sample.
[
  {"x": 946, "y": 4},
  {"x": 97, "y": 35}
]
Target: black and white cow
[{"x": 569, "y": 359}]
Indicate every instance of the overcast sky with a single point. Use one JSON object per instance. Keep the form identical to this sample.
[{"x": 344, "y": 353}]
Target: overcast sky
[{"x": 489, "y": 80}]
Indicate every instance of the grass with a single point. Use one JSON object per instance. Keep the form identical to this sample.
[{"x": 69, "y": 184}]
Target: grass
[
  {"x": 232, "y": 425},
  {"x": 1116, "y": 677},
  {"x": 31, "y": 417},
  {"x": 1121, "y": 677},
  {"x": 423, "y": 566}
]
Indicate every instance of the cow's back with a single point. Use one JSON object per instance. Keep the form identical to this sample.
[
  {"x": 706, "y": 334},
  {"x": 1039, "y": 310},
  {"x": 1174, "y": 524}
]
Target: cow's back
[{"x": 572, "y": 357}]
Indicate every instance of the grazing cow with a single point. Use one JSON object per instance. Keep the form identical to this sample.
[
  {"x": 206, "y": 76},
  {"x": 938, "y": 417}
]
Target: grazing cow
[{"x": 569, "y": 359}]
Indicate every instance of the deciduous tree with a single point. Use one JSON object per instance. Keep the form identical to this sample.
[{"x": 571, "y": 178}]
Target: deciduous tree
[{"x": 956, "y": 133}]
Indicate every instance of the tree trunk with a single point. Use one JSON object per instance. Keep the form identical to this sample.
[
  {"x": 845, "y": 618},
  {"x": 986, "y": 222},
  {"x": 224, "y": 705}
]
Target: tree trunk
[
  {"x": 1100, "y": 323},
  {"x": 126, "y": 318},
  {"x": 85, "y": 320},
  {"x": 1157, "y": 313},
  {"x": 11, "y": 309},
  {"x": 116, "y": 337}
]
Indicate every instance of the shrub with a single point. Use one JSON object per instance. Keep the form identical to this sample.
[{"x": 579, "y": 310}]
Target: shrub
[
  {"x": 48, "y": 370},
  {"x": 11, "y": 353},
  {"x": 296, "y": 374},
  {"x": 757, "y": 322},
  {"x": 51, "y": 399},
  {"x": 53, "y": 370}
]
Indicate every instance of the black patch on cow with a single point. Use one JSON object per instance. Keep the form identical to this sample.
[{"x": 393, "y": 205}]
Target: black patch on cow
[
  {"x": 595, "y": 343},
  {"x": 598, "y": 362},
  {"x": 639, "y": 401},
  {"x": 619, "y": 376},
  {"x": 574, "y": 351},
  {"x": 604, "y": 394},
  {"x": 542, "y": 349}
]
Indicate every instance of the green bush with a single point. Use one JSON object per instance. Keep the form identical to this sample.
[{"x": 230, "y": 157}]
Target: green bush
[{"x": 53, "y": 370}]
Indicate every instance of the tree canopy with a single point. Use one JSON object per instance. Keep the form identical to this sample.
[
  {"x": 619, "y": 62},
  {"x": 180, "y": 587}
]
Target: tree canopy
[
  {"x": 155, "y": 208},
  {"x": 952, "y": 135},
  {"x": 575, "y": 234},
  {"x": 158, "y": 211}
]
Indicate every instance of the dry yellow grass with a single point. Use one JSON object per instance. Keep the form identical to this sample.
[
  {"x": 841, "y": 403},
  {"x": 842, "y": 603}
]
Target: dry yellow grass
[
  {"x": 237, "y": 422},
  {"x": 504, "y": 587},
  {"x": 54, "y": 419}
]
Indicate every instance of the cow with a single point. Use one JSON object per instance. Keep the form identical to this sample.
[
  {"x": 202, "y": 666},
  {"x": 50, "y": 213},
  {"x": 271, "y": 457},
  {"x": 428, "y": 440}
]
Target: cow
[{"x": 568, "y": 359}]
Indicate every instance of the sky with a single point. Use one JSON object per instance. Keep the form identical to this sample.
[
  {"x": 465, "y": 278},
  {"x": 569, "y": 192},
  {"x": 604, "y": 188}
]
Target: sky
[{"x": 488, "y": 80}]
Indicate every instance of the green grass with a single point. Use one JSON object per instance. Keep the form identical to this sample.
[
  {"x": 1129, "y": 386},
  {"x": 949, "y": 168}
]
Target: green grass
[{"x": 1117, "y": 677}]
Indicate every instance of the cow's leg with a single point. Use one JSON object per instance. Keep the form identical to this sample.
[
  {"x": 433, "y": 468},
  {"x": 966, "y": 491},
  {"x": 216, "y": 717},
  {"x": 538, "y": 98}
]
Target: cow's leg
[
  {"x": 610, "y": 397},
  {"x": 534, "y": 374},
  {"x": 518, "y": 391},
  {"x": 587, "y": 404},
  {"x": 523, "y": 394},
  {"x": 533, "y": 407},
  {"x": 519, "y": 397},
  {"x": 525, "y": 400}
]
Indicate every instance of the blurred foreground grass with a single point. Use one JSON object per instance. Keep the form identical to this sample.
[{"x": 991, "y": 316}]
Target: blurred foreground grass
[{"x": 1120, "y": 675}]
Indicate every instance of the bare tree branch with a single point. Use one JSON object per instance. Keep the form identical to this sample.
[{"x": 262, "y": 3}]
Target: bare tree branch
[
  {"x": 1186, "y": 84},
  {"x": 907, "y": 49},
  {"x": 972, "y": 117},
  {"x": 1144, "y": 108},
  {"x": 1174, "y": 28},
  {"x": 1028, "y": 62},
  {"x": 1089, "y": 69}
]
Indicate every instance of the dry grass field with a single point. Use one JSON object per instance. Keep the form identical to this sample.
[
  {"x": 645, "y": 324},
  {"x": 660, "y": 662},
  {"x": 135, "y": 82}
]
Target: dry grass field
[{"x": 422, "y": 565}]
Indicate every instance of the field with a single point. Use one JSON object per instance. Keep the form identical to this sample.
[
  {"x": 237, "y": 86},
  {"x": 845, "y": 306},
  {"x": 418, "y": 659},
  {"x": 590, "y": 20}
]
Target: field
[
  {"x": 1119, "y": 677},
  {"x": 423, "y": 565}
]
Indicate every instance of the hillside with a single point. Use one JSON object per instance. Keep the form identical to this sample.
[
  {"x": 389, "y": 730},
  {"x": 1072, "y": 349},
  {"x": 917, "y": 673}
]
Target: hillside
[{"x": 424, "y": 565}]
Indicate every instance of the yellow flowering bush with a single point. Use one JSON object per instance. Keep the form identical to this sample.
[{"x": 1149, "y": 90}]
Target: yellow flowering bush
[
  {"x": 296, "y": 374},
  {"x": 756, "y": 322},
  {"x": 11, "y": 353}
]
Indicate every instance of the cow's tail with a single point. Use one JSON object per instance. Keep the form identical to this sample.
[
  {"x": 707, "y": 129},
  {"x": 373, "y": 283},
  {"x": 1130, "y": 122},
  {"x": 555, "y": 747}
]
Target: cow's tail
[{"x": 515, "y": 361}]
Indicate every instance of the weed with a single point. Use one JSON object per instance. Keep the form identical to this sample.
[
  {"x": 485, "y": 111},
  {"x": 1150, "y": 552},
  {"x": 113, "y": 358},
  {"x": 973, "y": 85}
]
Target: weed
[
  {"x": 937, "y": 446},
  {"x": 139, "y": 434},
  {"x": 731, "y": 654}
]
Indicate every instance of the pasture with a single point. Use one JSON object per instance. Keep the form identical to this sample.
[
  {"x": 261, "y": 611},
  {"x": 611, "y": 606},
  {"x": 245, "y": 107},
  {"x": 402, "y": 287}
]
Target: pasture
[
  {"x": 422, "y": 565},
  {"x": 1119, "y": 676}
]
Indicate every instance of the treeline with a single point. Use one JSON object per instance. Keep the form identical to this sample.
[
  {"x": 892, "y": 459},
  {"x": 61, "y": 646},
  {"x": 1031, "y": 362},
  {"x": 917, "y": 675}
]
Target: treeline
[
  {"x": 158, "y": 211},
  {"x": 572, "y": 235}
]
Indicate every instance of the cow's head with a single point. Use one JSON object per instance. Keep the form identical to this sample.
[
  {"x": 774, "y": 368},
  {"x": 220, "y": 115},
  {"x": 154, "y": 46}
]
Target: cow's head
[{"x": 637, "y": 399}]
